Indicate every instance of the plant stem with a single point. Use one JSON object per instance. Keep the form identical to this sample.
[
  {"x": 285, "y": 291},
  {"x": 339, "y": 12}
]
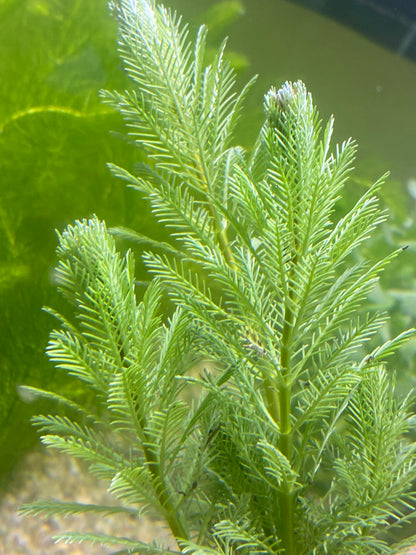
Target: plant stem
[
  {"x": 286, "y": 496},
  {"x": 272, "y": 400},
  {"x": 286, "y": 514},
  {"x": 285, "y": 442},
  {"x": 226, "y": 247},
  {"x": 173, "y": 519},
  {"x": 222, "y": 235},
  {"x": 284, "y": 404},
  {"x": 202, "y": 172}
]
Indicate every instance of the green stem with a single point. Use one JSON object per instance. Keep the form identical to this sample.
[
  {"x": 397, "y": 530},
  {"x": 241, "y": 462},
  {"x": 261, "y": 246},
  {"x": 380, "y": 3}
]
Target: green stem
[
  {"x": 226, "y": 247},
  {"x": 222, "y": 234},
  {"x": 285, "y": 441},
  {"x": 286, "y": 512},
  {"x": 203, "y": 178},
  {"x": 286, "y": 496},
  {"x": 172, "y": 517},
  {"x": 272, "y": 400}
]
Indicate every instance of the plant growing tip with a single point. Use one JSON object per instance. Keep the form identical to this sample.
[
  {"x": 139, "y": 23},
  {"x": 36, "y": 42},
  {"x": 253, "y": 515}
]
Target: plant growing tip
[{"x": 281, "y": 100}]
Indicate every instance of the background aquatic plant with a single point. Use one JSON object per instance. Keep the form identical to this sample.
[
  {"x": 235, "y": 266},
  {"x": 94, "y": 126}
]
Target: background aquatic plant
[
  {"x": 54, "y": 142},
  {"x": 269, "y": 302}
]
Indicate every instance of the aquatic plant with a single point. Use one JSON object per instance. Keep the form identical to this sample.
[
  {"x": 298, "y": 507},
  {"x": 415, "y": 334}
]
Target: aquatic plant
[{"x": 247, "y": 417}]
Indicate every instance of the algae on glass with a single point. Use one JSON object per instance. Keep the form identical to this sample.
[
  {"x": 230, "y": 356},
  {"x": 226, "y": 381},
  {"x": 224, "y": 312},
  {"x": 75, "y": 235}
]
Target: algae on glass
[
  {"x": 245, "y": 417},
  {"x": 54, "y": 142}
]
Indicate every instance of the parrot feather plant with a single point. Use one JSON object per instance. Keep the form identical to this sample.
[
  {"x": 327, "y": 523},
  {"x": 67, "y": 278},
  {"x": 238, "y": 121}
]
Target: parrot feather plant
[{"x": 247, "y": 418}]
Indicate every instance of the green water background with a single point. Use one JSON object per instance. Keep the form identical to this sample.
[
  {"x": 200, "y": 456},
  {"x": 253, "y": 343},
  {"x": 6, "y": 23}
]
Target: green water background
[{"x": 56, "y": 137}]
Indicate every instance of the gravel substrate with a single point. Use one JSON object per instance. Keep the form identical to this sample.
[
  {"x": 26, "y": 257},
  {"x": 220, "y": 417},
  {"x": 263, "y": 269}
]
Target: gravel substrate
[{"x": 49, "y": 475}]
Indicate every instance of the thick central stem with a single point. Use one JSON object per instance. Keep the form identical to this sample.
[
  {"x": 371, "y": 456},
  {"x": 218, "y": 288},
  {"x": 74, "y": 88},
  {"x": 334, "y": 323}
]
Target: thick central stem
[
  {"x": 286, "y": 496},
  {"x": 285, "y": 441},
  {"x": 173, "y": 519}
]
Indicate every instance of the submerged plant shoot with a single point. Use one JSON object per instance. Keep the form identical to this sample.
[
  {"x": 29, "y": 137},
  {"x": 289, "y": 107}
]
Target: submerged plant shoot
[{"x": 248, "y": 414}]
